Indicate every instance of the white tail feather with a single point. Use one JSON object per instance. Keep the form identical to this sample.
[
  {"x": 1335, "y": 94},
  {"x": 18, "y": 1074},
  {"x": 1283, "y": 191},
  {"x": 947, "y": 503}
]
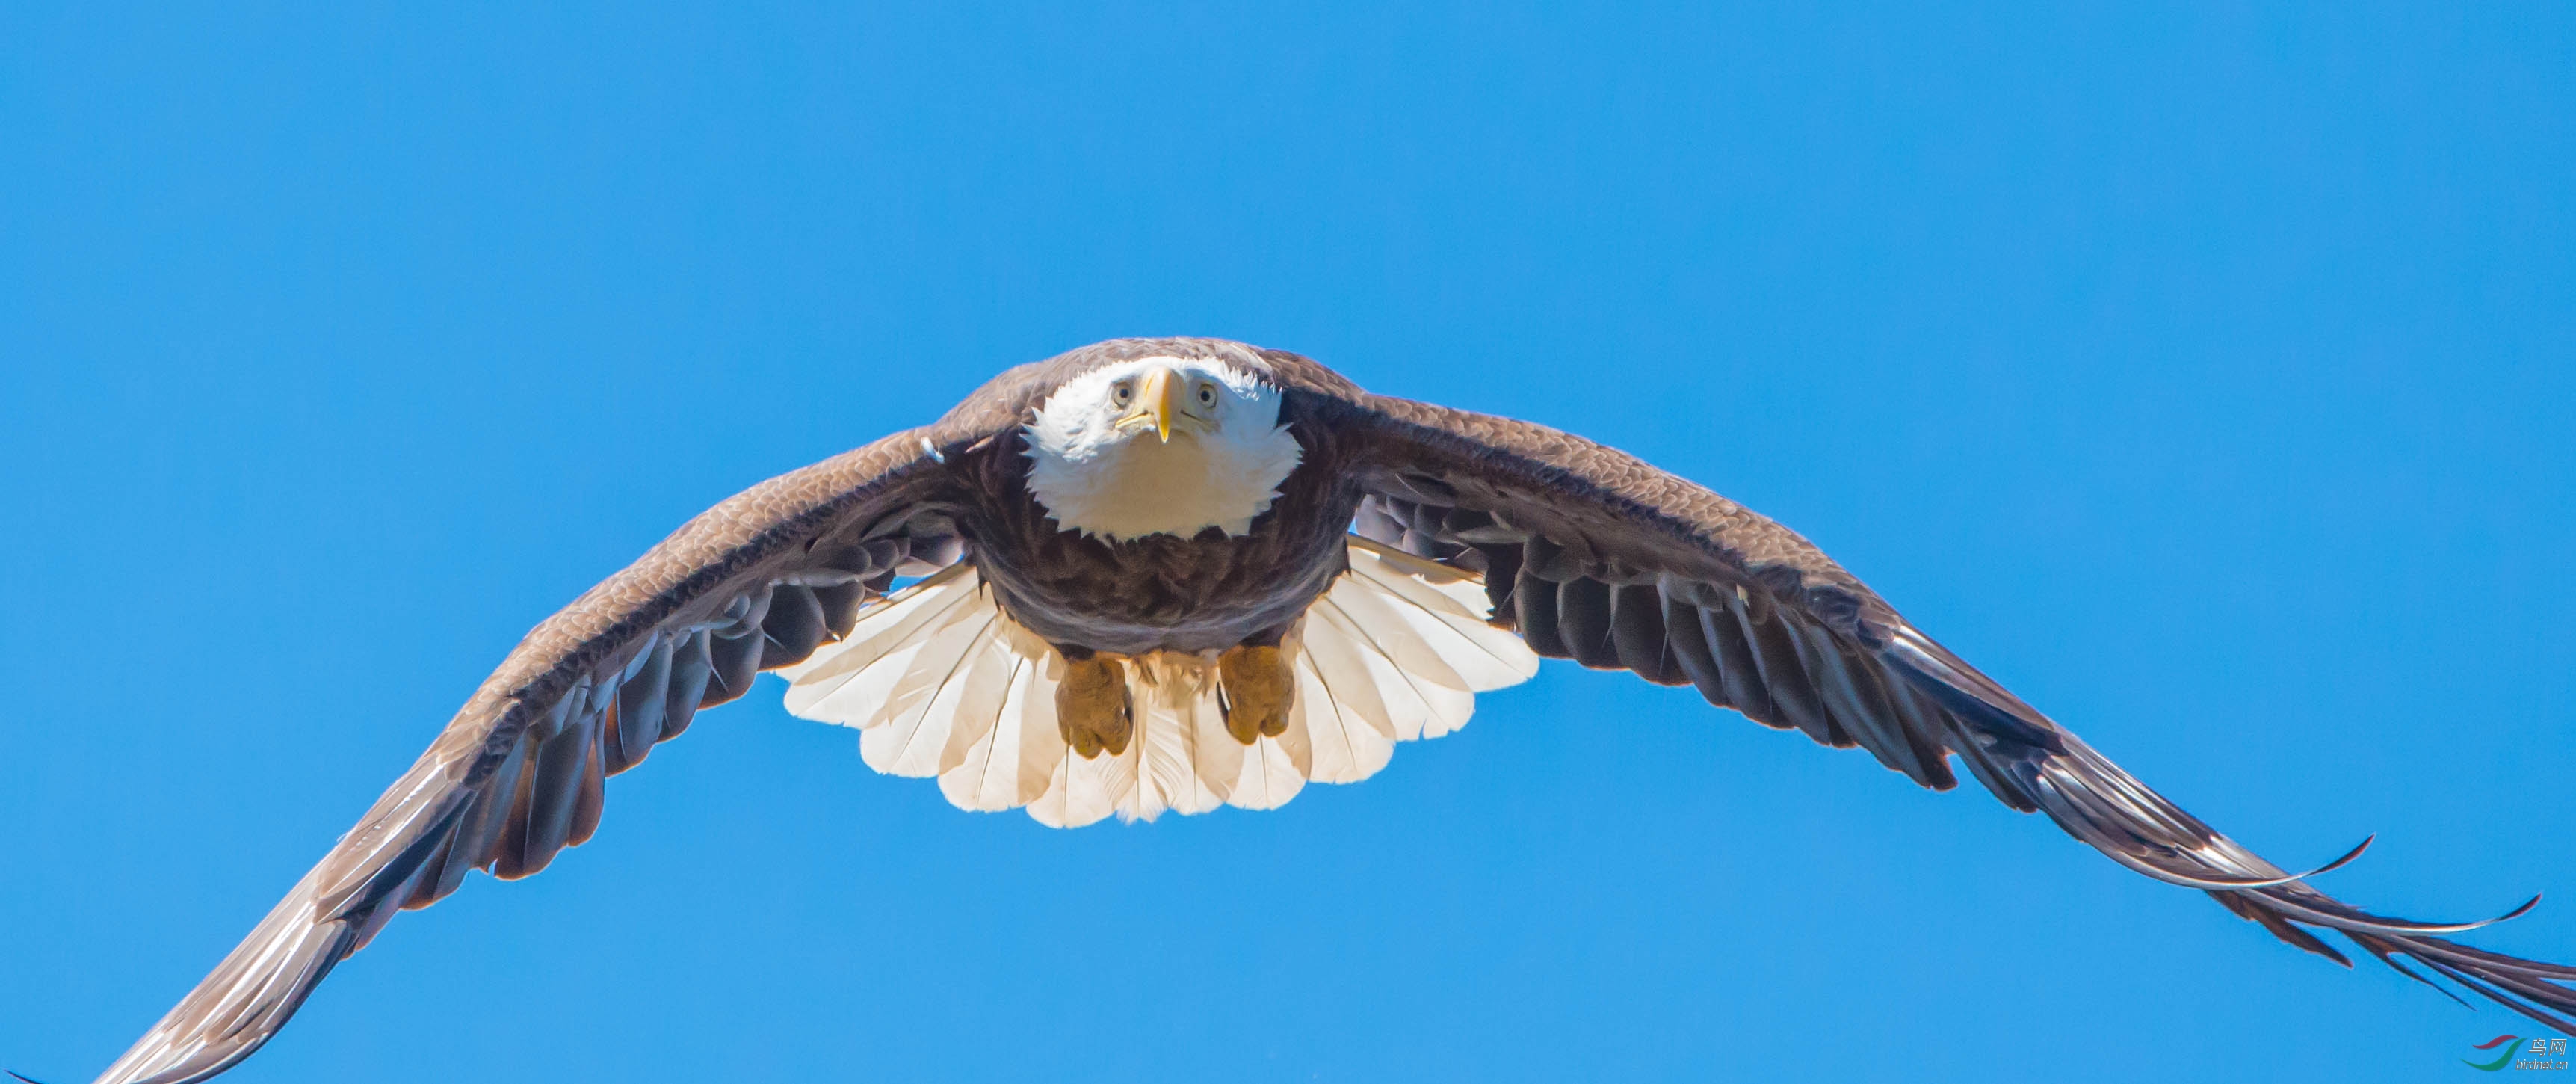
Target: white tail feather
[{"x": 939, "y": 681}]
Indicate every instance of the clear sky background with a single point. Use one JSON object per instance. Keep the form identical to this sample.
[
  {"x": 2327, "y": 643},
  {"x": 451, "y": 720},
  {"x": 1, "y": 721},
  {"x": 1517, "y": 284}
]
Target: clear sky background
[{"x": 2205, "y": 376}]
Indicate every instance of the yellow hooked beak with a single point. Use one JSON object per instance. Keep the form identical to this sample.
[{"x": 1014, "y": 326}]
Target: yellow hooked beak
[{"x": 1158, "y": 398}]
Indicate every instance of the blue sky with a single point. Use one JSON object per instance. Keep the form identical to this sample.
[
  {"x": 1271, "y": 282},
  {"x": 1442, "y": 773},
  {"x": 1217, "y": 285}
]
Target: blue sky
[{"x": 2203, "y": 375}]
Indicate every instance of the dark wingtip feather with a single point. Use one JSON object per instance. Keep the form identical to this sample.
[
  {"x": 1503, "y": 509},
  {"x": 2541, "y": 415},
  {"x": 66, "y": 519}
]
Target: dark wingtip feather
[
  {"x": 2347, "y": 858},
  {"x": 2251, "y": 911},
  {"x": 2385, "y": 955},
  {"x": 2517, "y": 912},
  {"x": 2097, "y": 802}
]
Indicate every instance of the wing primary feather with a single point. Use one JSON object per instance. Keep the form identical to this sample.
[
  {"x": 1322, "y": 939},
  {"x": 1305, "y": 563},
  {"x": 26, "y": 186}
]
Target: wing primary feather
[
  {"x": 691, "y": 668},
  {"x": 510, "y": 852},
  {"x": 641, "y": 702},
  {"x": 735, "y": 660},
  {"x": 2279, "y": 927},
  {"x": 591, "y": 796},
  {"x": 1918, "y": 718},
  {"x": 1783, "y": 676},
  {"x": 397, "y": 877},
  {"x": 561, "y": 761},
  {"x": 1544, "y": 558},
  {"x": 1534, "y": 605},
  {"x": 482, "y": 828},
  {"x": 1737, "y": 669},
  {"x": 426, "y": 892},
  {"x": 793, "y": 627},
  {"x": 612, "y": 741},
  {"x": 841, "y": 604},
  {"x": 1688, "y": 642},
  {"x": 400, "y": 878},
  {"x": 2372, "y": 945},
  {"x": 1921, "y": 743},
  {"x": 1583, "y": 622},
  {"x": 1502, "y": 576},
  {"x": 1874, "y": 724},
  {"x": 1637, "y": 632},
  {"x": 1963, "y": 740}
]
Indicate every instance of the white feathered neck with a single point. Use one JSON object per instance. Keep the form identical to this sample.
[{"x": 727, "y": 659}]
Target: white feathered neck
[{"x": 1094, "y": 478}]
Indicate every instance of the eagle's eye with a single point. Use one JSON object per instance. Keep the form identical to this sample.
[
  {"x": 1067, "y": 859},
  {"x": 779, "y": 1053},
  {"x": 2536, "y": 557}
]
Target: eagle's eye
[
  {"x": 1120, "y": 393},
  {"x": 1207, "y": 395}
]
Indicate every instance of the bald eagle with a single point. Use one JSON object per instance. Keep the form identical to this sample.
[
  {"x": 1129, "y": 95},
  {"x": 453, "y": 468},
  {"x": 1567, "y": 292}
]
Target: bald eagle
[{"x": 1161, "y": 576}]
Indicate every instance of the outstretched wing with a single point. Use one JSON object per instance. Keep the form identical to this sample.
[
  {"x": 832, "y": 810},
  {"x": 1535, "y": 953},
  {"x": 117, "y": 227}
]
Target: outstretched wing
[
  {"x": 1593, "y": 555},
  {"x": 754, "y": 583}
]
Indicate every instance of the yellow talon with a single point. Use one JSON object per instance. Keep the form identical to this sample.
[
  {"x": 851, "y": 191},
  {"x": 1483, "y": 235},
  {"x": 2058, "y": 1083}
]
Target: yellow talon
[
  {"x": 1091, "y": 707},
  {"x": 1257, "y": 690}
]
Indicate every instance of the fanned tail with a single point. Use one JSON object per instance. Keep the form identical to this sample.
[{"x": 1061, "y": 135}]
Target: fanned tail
[{"x": 940, "y": 682}]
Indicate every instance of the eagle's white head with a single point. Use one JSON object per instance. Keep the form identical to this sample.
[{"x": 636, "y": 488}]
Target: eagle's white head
[{"x": 1159, "y": 445}]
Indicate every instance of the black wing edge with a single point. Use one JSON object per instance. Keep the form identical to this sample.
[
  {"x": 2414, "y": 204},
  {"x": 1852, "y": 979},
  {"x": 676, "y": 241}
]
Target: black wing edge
[
  {"x": 2043, "y": 766},
  {"x": 1773, "y": 653}
]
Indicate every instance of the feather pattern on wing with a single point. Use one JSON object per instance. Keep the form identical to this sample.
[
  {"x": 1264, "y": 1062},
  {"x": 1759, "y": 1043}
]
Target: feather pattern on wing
[
  {"x": 519, "y": 774},
  {"x": 1617, "y": 565}
]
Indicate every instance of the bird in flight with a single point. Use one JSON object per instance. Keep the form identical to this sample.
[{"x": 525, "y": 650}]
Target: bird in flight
[{"x": 1168, "y": 575}]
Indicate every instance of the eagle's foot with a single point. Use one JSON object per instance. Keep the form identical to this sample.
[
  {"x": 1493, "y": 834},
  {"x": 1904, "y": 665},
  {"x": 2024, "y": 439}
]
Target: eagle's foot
[
  {"x": 1091, "y": 706},
  {"x": 1255, "y": 689}
]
